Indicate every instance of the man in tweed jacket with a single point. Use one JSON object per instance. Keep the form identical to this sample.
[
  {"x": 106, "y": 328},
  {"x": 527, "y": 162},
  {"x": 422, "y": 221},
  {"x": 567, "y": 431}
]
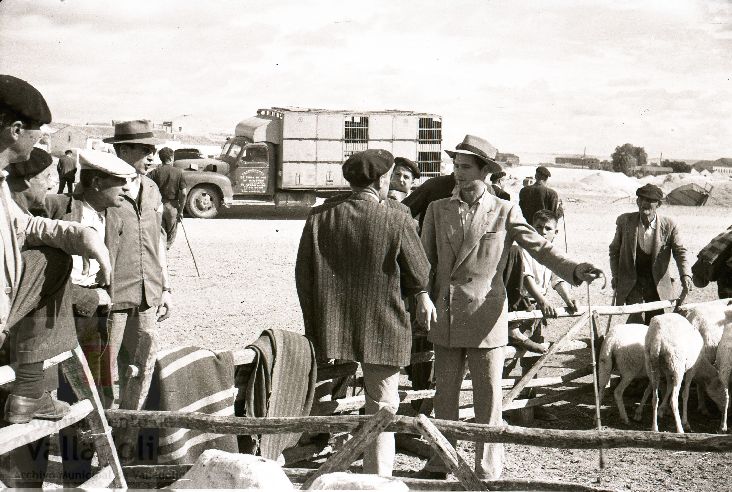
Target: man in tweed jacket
[{"x": 359, "y": 256}]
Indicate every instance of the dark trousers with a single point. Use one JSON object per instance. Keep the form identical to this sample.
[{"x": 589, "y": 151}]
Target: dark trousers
[
  {"x": 39, "y": 320},
  {"x": 76, "y": 454},
  {"x": 170, "y": 220},
  {"x": 644, "y": 290},
  {"x": 65, "y": 182}
]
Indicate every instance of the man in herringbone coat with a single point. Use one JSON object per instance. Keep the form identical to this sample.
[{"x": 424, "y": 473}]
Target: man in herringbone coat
[{"x": 359, "y": 257}]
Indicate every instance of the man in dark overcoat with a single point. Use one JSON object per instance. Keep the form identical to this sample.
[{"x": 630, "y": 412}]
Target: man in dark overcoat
[
  {"x": 359, "y": 255},
  {"x": 539, "y": 196}
]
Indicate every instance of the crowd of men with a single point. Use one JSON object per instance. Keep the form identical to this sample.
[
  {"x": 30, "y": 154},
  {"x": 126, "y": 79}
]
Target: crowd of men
[{"x": 89, "y": 267}]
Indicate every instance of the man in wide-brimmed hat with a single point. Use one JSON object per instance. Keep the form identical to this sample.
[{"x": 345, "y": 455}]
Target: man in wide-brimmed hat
[
  {"x": 640, "y": 255},
  {"x": 539, "y": 196},
  {"x": 467, "y": 238},
  {"x": 142, "y": 294},
  {"x": 442, "y": 186}
]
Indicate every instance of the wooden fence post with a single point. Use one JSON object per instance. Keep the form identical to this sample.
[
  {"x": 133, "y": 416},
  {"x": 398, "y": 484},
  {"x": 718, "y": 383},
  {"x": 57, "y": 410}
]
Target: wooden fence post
[
  {"x": 363, "y": 435},
  {"x": 449, "y": 454}
]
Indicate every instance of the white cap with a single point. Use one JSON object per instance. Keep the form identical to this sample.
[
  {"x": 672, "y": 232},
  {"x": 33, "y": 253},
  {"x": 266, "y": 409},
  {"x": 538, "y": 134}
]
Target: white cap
[{"x": 106, "y": 163}]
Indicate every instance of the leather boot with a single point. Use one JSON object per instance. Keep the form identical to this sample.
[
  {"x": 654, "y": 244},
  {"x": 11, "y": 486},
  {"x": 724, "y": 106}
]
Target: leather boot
[{"x": 21, "y": 409}]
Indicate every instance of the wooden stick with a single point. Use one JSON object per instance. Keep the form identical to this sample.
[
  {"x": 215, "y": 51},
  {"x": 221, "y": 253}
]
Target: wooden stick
[
  {"x": 449, "y": 455},
  {"x": 102, "y": 480},
  {"x": 548, "y": 398},
  {"x": 353, "y": 403},
  {"x": 551, "y": 438},
  {"x": 350, "y": 451},
  {"x": 7, "y": 373},
  {"x": 553, "y": 349}
]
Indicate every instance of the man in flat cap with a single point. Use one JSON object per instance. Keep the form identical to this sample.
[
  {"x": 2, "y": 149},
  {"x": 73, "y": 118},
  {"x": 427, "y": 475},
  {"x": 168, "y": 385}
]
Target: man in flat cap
[
  {"x": 35, "y": 304},
  {"x": 539, "y": 196},
  {"x": 402, "y": 178},
  {"x": 103, "y": 183},
  {"x": 142, "y": 293},
  {"x": 172, "y": 185},
  {"x": 467, "y": 238},
  {"x": 714, "y": 264},
  {"x": 640, "y": 254},
  {"x": 359, "y": 255},
  {"x": 30, "y": 181}
]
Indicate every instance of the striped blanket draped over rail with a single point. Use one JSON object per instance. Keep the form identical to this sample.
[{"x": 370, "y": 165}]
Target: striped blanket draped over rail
[{"x": 191, "y": 379}]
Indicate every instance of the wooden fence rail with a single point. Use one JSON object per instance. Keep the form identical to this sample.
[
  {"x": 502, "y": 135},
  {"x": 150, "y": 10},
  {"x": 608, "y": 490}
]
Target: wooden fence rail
[{"x": 566, "y": 439}]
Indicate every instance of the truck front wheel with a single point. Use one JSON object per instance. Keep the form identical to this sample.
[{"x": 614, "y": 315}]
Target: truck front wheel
[{"x": 204, "y": 202}]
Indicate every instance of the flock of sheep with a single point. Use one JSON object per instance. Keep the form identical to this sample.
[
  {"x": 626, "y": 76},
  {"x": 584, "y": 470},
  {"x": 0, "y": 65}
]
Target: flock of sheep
[{"x": 695, "y": 346}]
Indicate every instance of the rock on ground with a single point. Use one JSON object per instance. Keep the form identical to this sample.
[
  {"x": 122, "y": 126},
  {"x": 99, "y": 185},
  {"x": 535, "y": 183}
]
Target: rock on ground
[{"x": 216, "y": 469}]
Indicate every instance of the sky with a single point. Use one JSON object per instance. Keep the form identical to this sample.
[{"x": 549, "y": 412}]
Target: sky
[{"x": 539, "y": 76}]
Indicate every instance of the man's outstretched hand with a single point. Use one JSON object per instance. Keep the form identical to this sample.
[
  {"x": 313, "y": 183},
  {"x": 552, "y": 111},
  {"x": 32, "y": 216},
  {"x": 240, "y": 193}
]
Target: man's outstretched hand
[{"x": 587, "y": 272}]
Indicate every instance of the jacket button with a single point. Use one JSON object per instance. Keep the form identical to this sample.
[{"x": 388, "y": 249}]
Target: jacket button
[
  {"x": 470, "y": 300},
  {"x": 470, "y": 279}
]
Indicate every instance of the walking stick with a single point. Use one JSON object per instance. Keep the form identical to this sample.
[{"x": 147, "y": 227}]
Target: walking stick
[
  {"x": 594, "y": 371},
  {"x": 185, "y": 235}
]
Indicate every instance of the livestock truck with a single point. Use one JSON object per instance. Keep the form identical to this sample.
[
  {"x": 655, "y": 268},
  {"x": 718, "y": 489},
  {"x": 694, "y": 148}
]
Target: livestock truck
[{"x": 290, "y": 156}]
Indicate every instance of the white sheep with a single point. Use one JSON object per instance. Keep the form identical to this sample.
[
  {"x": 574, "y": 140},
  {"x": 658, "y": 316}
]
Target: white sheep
[
  {"x": 623, "y": 352},
  {"x": 673, "y": 349},
  {"x": 709, "y": 319},
  {"x": 723, "y": 364}
]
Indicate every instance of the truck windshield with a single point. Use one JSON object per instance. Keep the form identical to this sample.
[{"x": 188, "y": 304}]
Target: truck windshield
[{"x": 232, "y": 150}]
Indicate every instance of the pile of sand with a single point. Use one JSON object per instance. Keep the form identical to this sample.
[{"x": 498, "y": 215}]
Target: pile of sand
[{"x": 605, "y": 182}]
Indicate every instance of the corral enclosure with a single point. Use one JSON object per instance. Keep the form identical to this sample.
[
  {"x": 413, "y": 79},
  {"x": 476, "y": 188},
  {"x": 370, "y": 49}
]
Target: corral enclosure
[{"x": 247, "y": 261}]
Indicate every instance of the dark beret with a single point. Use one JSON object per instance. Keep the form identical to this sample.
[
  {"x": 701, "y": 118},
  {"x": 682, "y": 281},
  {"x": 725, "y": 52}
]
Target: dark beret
[
  {"x": 39, "y": 161},
  {"x": 21, "y": 97},
  {"x": 409, "y": 164},
  {"x": 496, "y": 176},
  {"x": 652, "y": 192},
  {"x": 543, "y": 171},
  {"x": 363, "y": 168}
]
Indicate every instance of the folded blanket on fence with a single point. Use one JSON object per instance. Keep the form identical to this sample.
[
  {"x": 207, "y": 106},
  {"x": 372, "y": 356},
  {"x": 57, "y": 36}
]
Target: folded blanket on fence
[
  {"x": 280, "y": 382},
  {"x": 191, "y": 379}
]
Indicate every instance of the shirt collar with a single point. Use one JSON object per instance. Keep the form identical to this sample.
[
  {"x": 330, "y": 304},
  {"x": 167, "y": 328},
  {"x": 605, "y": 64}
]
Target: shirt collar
[
  {"x": 367, "y": 194},
  {"x": 652, "y": 225},
  {"x": 456, "y": 195}
]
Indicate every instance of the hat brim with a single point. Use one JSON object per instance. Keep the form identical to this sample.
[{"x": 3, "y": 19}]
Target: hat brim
[
  {"x": 649, "y": 197},
  {"x": 493, "y": 166},
  {"x": 144, "y": 141}
]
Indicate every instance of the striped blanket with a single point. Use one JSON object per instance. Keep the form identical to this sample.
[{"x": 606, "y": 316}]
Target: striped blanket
[{"x": 191, "y": 379}]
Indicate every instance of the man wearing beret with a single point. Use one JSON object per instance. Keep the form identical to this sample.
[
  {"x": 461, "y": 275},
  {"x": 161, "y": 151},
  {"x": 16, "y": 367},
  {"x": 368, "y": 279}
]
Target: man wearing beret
[
  {"x": 103, "y": 184},
  {"x": 467, "y": 238},
  {"x": 31, "y": 181},
  {"x": 539, "y": 196},
  {"x": 640, "y": 254},
  {"x": 402, "y": 179},
  {"x": 142, "y": 293},
  {"x": 35, "y": 307},
  {"x": 359, "y": 255}
]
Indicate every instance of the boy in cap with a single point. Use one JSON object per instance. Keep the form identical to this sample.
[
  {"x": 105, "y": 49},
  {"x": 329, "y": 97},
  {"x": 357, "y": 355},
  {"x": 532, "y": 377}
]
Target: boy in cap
[
  {"x": 358, "y": 255},
  {"x": 402, "y": 178},
  {"x": 103, "y": 184},
  {"x": 35, "y": 304},
  {"x": 31, "y": 181},
  {"x": 640, "y": 254},
  {"x": 539, "y": 196},
  {"x": 467, "y": 238}
]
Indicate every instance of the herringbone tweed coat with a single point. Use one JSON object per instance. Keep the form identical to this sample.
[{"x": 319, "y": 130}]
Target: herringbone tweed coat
[{"x": 357, "y": 259}]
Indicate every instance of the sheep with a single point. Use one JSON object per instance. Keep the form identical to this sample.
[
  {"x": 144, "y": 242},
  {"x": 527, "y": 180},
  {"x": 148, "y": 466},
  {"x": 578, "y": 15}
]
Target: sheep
[
  {"x": 723, "y": 363},
  {"x": 623, "y": 351},
  {"x": 709, "y": 319},
  {"x": 674, "y": 348}
]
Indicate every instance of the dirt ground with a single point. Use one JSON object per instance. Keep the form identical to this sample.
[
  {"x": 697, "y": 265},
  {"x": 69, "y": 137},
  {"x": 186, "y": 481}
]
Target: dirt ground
[{"x": 247, "y": 259}]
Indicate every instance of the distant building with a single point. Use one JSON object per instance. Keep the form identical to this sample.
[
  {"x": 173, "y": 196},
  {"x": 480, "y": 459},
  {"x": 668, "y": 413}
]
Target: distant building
[
  {"x": 649, "y": 170},
  {"x": 577, "y": 160},
  {"x": 723, "y": 165},
  {"x": 506, "y": 159}
]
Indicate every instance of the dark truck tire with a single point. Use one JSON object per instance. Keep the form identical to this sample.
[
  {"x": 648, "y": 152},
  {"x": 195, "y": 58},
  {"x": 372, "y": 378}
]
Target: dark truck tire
[{"x": 203, "y": 202}]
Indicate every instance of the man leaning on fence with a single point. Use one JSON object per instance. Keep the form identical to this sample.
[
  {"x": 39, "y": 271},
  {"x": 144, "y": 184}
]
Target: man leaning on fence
[
  {"x": 358, "y": 255},
  {"x": 36, "y": 323},
  {"x": 640, "y": 255}
]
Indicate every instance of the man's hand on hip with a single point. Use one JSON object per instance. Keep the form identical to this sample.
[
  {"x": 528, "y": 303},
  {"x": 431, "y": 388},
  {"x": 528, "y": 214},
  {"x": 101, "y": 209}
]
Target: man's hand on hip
[{"x": 426, "y": 312}]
